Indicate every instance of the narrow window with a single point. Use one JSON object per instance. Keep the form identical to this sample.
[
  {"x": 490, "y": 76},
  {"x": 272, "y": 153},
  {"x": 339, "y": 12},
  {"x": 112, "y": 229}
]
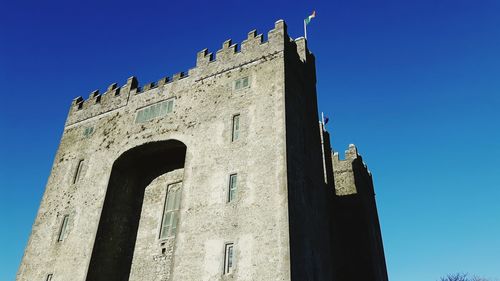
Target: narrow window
[
  {"x": 62, "y": 231},
  {"x": 235, "y": 128},
  {"x": 170, "y": 105},
  {"x": 171, "y": 211},
  {"x": 49, "y": 277},
  {"x": 232, "y": 187},
  {"x": 244, "y": 82},
  {"x": 228, "y": 258},
  {"x": 78, "y": 171}
]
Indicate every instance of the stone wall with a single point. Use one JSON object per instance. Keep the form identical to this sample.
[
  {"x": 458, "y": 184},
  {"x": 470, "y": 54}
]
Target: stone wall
[
  {"x": 296, "y": 214},
  {"x": 356, "y": 231},
  {"x": 205, "y": 102}
]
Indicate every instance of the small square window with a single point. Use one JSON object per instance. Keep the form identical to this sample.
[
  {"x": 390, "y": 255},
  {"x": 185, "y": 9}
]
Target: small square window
[
  {"x": 241, "y": 83},
  {"x": 88, "y": 131}
]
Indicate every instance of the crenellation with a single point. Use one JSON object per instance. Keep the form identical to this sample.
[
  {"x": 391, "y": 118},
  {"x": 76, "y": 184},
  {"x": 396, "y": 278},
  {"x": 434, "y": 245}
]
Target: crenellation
[
  {"x": 351, "y": 153},
  {"x": 343, "y": 176},
  {"x": 335, "y": 156},
  {"x": 132, "y": 83},
  {"x": 111, "y": 87},
  {"x": 114, "y": 97},
  {"x": 163, "y": 81},
  {"x": 203, "y": 58},
  {"x": 355, "y": 212},
  {"x": 227, "y": 51},
  {"x": 178, "y": 76},
  {"x": 252, "y": 42},
  {"x": 162, "y": 176},
  {"x": 95, "y": 97},
  {"x": 279, "y": 34},
  {"x": 227, "y": 44},
  {"x": 148, "y": 86},
  {"x": 94, "y": 94},
  {"x": 302, "y": 50},
  {"x": 344, "y": 170},
  {"x": 77, "y": 101},
  {"x": 253, "y": 48},
  {"x": 252, "y": 34}
]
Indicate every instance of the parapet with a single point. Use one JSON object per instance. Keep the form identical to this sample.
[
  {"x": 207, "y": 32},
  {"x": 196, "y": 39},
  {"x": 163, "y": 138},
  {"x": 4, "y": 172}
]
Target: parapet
[
  {"x": 114, "y": 97},
  {"x": 253, "y": 49},
  {"x": 349, "y": 173},
  {"x": 230, "y": 56}
]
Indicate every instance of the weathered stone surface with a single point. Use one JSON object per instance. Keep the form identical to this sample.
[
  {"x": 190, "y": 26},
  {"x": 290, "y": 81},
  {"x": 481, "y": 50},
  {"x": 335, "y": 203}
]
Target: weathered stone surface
[{"x": 280, "y": 222}]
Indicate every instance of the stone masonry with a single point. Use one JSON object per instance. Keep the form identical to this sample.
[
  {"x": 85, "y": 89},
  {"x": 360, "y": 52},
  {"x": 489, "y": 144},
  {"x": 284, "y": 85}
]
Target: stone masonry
[{"x": 249, "y": 114}]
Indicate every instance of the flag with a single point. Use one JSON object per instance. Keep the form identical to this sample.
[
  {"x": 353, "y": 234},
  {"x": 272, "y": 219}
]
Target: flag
[{"x": 309, "y": 18}]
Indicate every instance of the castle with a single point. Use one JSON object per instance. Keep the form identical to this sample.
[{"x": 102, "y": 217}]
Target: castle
[{"x": 220, "y": 173}]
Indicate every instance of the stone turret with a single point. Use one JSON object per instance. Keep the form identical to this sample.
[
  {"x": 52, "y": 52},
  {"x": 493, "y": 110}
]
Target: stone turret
[
  {"x": 360, "y": 253},
  {"x": 346, "y": 171}
]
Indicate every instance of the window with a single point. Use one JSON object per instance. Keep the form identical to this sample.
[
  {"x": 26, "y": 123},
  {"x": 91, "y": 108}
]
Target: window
[
  {"x": 49, "y": 277},
  {"x": 156, "y": 110},
  {"x": 171, "y": 211},
  {"x": 78, "y": 171},
  {"x": 88, "y": 131},
  {"x": 241, "y": 83},
  {"x": 228, "y": 258},
  {"x": 232, "y": 187},
  {"x": 62, "y": 231},
  {"x": 235, "y": 134}
]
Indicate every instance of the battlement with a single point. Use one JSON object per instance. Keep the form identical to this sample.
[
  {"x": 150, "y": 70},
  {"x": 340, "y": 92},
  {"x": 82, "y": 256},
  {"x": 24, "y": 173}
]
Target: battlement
[
  {"x": 349, "y": 155},
  {"x": 253, "y": 49},
  {"x": 345, "y": 170}
]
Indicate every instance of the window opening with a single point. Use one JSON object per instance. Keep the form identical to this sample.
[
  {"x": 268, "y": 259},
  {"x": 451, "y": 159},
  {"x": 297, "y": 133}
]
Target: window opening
[
  {"x": 241, "y": 83},
  {"x": 88, "y": 131},
  {"x": 155, "y": 110},
  {"x": 170, "y": 215},
  {"x": 235, "y": 128},
  {"x": 78, "y": 171},
  {"x": 228, "y": 258},
  {"x": 62, "y": 231},
  {"x": 232, "y": 187}
]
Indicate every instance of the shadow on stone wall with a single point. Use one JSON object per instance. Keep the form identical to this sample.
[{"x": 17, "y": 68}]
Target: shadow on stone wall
[{"x": 132, "y": 172}]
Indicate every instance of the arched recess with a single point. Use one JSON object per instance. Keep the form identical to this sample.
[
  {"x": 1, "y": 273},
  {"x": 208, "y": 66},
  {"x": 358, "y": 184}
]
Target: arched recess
[{"x": 117, "y": 231}]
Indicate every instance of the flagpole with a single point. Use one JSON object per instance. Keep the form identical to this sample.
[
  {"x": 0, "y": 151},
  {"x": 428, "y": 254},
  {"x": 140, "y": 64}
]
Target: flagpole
[{"x": 305, "y": 30}]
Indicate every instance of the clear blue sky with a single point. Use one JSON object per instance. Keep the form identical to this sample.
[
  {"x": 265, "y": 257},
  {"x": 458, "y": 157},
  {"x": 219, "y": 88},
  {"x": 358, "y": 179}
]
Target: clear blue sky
[{"x": 414, "y": 84}]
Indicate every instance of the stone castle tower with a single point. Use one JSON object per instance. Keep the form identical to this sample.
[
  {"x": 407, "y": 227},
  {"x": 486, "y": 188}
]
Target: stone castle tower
[{"x": 221, "y": 173}]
